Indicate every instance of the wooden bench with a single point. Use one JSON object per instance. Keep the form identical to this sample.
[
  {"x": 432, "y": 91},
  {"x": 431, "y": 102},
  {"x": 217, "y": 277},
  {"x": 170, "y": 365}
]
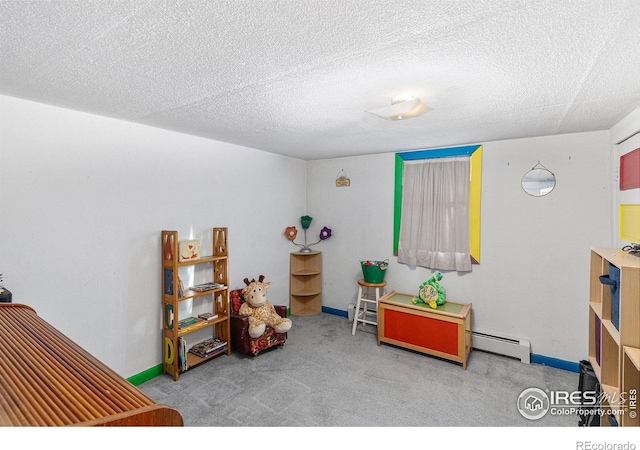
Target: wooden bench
[{"x": 46, "y": 379}]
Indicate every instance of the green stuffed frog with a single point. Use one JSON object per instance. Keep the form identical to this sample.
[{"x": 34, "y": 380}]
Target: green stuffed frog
[{"x": 431, "y": 293}]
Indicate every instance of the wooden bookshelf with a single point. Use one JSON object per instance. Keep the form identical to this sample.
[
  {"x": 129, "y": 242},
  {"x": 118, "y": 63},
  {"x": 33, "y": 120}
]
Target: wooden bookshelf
[
  {"x": 214, "y": 267},
  {"x": 614, "y": 331},
  {"x": 305, "y": 283}
]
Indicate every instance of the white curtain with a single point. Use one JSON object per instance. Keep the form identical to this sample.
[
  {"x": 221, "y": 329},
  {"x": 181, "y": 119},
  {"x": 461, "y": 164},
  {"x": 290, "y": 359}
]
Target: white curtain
[{"x": 434, "y": 225}]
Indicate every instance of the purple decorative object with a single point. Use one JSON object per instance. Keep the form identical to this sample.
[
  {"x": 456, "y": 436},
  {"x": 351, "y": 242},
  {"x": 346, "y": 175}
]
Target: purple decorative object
[{"x": 325, "y": 233}]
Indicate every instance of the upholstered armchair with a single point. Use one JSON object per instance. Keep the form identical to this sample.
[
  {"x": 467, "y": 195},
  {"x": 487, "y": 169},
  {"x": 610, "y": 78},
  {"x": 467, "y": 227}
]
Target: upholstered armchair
[{"x": 240, "y": 339}]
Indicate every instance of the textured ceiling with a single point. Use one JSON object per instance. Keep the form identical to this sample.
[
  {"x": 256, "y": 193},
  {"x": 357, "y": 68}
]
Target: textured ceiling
[{"x": 296, "y": 77}]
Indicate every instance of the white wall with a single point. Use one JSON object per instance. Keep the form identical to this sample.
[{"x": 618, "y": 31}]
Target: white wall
[
  {"x": 83, "y": 200},
  {"x": 532, "y": 282}
]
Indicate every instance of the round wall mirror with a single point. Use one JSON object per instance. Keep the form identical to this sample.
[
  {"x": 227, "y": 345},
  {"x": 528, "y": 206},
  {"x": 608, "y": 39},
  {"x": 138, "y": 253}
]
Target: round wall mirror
[{"x": 538, "y": 181}]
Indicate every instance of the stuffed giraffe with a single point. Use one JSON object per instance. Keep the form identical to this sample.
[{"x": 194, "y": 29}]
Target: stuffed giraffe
[{"x": 259, "y": 310}]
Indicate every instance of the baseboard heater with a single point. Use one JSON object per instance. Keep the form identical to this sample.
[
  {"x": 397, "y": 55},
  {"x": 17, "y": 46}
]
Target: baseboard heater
[{"x": 515, "y": 348}]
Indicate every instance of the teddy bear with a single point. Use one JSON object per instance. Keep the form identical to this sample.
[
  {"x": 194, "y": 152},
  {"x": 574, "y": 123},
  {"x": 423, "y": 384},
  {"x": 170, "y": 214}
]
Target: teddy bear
[{"x": 259, "y": 310}]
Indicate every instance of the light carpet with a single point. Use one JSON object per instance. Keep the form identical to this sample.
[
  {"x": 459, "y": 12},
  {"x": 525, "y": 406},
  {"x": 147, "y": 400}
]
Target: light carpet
[{"x": 325, "y": 377}]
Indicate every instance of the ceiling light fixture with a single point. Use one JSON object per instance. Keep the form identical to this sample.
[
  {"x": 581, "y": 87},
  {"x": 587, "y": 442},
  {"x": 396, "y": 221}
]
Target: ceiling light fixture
[{"x": 402, "y": 107}]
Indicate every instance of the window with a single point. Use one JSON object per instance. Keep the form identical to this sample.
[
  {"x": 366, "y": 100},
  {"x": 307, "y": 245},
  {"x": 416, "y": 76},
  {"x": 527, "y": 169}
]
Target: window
[{"x": 441, "y": 226}]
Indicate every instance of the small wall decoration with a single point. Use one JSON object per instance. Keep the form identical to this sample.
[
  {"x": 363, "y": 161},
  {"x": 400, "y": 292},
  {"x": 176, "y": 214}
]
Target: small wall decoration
[
  {"x": 539, "y": 181},
  {"x": 630, "y": 222},
  {"x": 630, "y": 170},
  {"x": 342, "y": 180},
  {"x": 189, "y": 250}
]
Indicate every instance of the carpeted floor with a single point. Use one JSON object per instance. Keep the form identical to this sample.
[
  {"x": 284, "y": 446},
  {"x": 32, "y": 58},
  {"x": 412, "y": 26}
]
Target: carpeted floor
[{"x": 325, "y": 377}]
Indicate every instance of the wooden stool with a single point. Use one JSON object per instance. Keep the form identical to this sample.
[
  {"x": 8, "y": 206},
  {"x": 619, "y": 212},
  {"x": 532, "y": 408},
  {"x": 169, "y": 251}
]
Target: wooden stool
[{"x": 364, "y": 298}]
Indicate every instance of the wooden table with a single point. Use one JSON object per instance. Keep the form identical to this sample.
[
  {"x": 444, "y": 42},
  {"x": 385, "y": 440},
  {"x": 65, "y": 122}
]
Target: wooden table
[
  {"x": 444, "y": 332},
  {"x": 48, "y": 380}
]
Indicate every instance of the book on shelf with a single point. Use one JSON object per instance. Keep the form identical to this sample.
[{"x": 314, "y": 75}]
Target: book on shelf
[
  {"x": 188, "y": 324},
  {"x": 208, "y": 316},
  {"x": 187, "y": 321},
  {"x": 182, "y": 354},
  {"x": 180, "y": 288},
  {"x": 206, "y": 287},
  {"x": 208, "y": 347},
  {"x": 209, "y": 353}
]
